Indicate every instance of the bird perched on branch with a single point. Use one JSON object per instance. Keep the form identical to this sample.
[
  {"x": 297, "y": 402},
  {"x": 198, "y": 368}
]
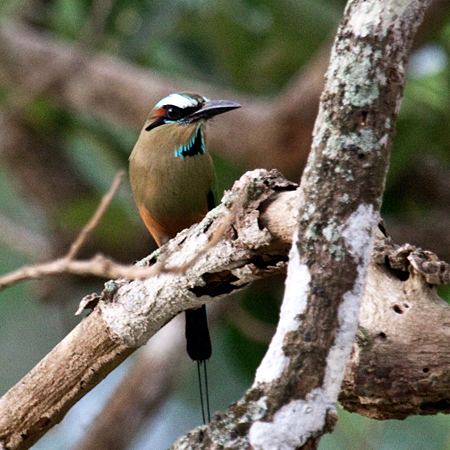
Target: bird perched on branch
[{"x": 172, "y": 178}]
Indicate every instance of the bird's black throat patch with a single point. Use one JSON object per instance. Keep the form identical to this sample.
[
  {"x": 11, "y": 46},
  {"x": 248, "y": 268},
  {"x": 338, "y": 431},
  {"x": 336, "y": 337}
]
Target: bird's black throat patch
[{"x": 195, "y": 147}]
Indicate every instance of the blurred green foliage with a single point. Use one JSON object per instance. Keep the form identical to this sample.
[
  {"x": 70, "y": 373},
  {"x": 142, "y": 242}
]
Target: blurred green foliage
[
  {"x": 252, "y": 46},
  {"x": 249, "y": 45}
]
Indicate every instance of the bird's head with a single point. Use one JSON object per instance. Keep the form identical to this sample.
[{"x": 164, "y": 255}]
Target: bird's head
[{"x": 177, "y": 120}]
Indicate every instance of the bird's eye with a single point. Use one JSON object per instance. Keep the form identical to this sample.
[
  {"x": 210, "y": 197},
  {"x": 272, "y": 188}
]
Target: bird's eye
[{"x": 173, "y": 113}]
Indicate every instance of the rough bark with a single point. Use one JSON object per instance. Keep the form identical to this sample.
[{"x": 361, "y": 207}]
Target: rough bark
[
  {"x": 399, "y": 365},
  {"x": 146, "y": 386},
  {"x": 42, "y": 398},
  {"x": 291, "y": 403},
  {"x": 86, "y": 355}
]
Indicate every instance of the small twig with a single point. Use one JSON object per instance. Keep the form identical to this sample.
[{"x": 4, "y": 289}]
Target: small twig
[
  {"x": 103, "y": 266},
  {"x": 99, "y": 265},
  {"x": 92, "y": 224}
]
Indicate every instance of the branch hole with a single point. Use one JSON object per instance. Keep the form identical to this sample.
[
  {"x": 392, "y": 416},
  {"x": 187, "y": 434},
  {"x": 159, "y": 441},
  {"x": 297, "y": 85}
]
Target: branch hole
[
  {"x": 234, "y": 233},
  {"x": 363, "y": 118},
  {"x": 397, "y": 309},
  {"x": 265, "y": 262},
  {"x": 425, "y": 370},
  {"x": 382, "y": 228},
  {"x": 217, "y": 283},
  {"x": 382, "y": 335},
  {"x": 400, "y": 274},
  {"x": 151, "y": 261}
]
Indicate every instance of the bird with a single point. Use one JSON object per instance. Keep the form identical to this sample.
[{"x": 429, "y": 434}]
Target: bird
[{"x": 172, "y": 178}]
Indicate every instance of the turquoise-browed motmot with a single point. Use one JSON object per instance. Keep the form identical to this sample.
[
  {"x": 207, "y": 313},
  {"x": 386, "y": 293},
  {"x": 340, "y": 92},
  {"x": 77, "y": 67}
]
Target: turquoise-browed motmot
[{"x": 172, "y": 178}]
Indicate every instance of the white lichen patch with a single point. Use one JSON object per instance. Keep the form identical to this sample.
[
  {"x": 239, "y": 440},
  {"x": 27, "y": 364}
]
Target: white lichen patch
[
  {"x": 354, "y": 70},
  {"x": 257, "y": 410},
  {"x": 310, "y": 232},
  {"x": 338, "y": 251},
  {"x": 340, "y": 352},
  {"x": 126, "y": 319},
  {"x": 345, "y": 198},
  {"x": 384, "y": 140},
  {"x": 297, "y": 421},
  {"x": 361, "y": 88},
  {"x": 293, "y": 424},
  {"x": 330, "y": 232},
  {"x": 376, "y": 17},
  {"x": 358, "y": 231},
  {"x": 366, "y": 139},
  {"x": 294, "y": 304},
  {"x": 365, "y": 19},
  {"x": 358, "y": 234}
]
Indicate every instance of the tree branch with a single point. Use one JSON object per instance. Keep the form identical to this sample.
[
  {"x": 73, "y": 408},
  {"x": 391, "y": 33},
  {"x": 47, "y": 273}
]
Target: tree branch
[
  {"x": 291, "y": 403},
  {"x": 400, "y": 362},
  {"x": 245, "y": 253},
  {"x": 261, "y": 236}
]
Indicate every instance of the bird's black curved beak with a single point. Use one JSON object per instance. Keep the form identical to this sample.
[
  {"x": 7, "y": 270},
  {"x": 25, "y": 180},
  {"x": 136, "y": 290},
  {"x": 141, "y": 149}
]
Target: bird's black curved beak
[{"x": 210, "y": 109}]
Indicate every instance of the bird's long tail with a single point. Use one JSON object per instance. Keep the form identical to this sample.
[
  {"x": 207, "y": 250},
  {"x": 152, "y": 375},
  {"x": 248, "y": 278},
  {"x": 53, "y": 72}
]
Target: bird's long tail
[{"x": 198, "y": 345}]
